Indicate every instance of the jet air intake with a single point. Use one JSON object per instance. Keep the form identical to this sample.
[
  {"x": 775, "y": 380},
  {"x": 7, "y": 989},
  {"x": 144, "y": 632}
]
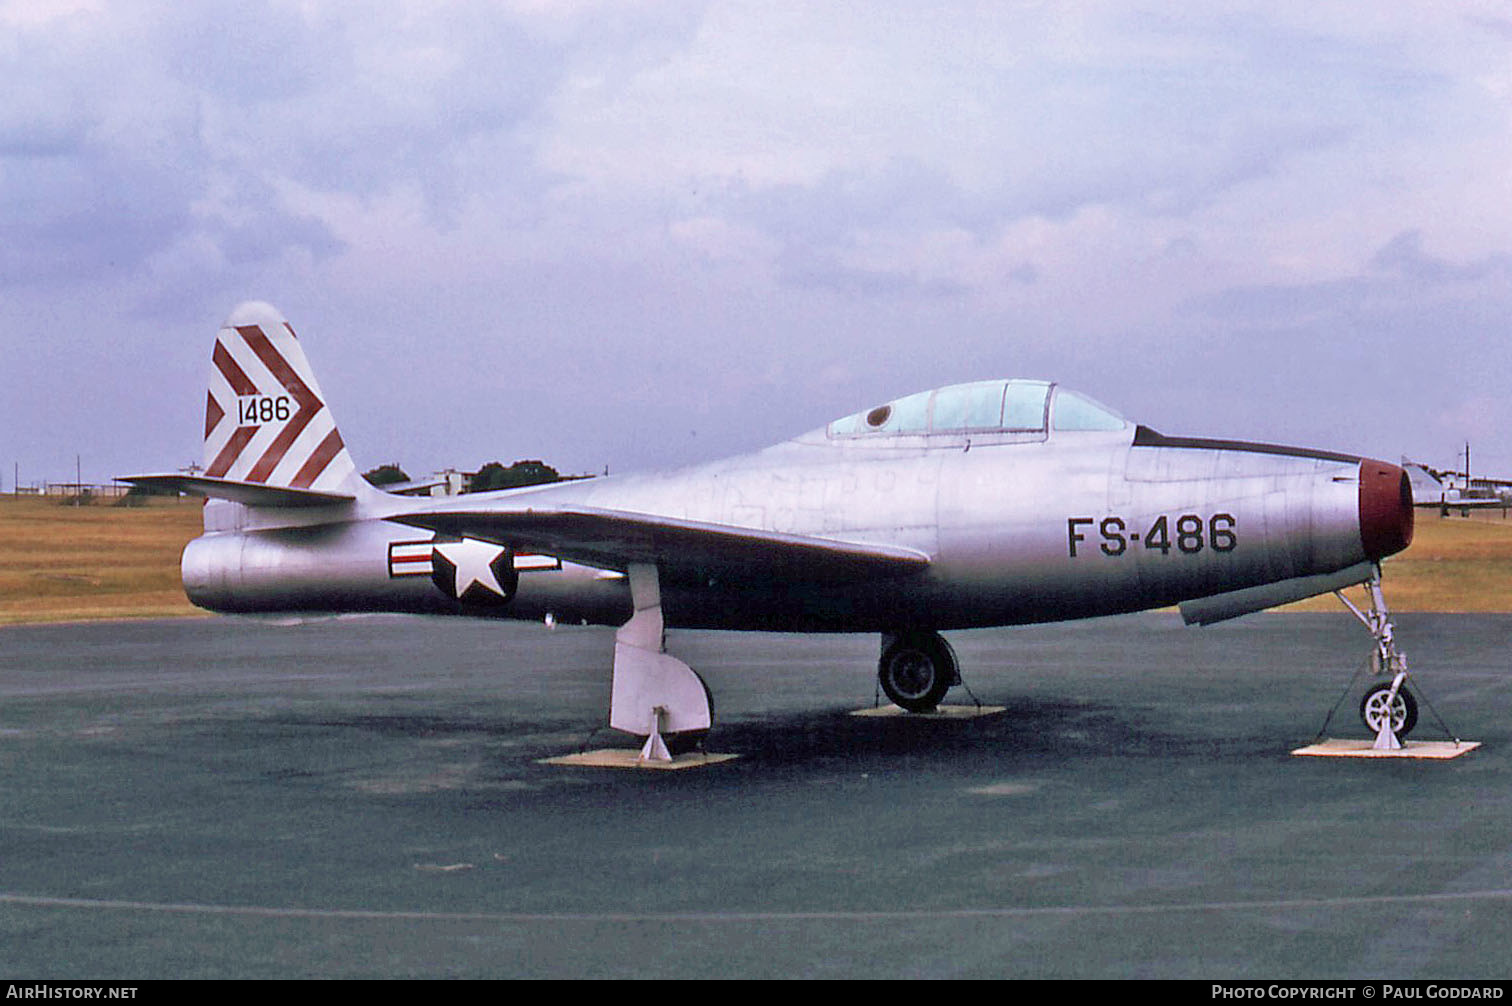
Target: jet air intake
[{"x": 1385, "y": 509}]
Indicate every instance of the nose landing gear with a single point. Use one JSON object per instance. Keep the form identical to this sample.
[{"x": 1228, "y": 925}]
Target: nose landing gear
[{"x": 1388, "y": 709}]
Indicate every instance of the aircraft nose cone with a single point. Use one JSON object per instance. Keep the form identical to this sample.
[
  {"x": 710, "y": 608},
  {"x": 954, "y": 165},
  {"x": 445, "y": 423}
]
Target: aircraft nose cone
[{"x": 1385, "y": 509}]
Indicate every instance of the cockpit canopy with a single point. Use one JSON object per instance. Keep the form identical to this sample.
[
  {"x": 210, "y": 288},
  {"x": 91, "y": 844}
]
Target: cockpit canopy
[{"x": 1018, "y": 409}]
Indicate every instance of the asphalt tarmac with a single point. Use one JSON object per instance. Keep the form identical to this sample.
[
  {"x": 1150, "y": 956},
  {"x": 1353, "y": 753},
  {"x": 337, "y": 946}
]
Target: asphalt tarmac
[{"x": 362, "y": 798}]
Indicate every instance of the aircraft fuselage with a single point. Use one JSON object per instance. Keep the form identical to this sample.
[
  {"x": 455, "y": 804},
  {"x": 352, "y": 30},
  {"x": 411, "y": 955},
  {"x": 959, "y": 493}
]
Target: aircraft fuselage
[
  {"x": 994, "y": 502},
  {"x": 1071, "y": 525}
]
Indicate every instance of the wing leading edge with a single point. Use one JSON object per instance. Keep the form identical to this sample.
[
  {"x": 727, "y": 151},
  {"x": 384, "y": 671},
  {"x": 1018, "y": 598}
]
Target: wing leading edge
[{"x": 613, "y": 539}]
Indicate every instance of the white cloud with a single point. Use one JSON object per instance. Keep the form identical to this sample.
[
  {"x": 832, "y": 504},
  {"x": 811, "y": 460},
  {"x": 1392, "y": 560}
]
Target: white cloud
[{"x": 619, "y": 192}]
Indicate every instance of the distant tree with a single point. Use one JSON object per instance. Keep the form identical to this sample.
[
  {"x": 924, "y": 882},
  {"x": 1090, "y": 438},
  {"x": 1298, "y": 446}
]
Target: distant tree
[
  {"x": 386, "y": 475},
  {"x": 522, "y": 473}
]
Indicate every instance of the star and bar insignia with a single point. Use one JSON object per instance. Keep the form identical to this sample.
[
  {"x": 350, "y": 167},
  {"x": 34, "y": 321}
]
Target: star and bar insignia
[{"x": 474, "y": 572}]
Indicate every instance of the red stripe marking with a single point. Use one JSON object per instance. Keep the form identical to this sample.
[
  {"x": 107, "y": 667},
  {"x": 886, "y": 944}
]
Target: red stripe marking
[
  {"x": 280, "y": 446},
  {"x": 328, "y": 449},
  {"x": 213, "y": 414},
  {"x": 234, "y": 375},
  {"x": 309, "y": 404},
  {"x": 409, "y": 558},
  {"x": 276, "y": 364},
  {"x": 228, "y": 455}
]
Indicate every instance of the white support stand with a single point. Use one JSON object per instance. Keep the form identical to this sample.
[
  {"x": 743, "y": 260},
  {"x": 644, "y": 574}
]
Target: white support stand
[
  {"x": 1386, "y": 659},
  {"x": 654, "y": 692},
  {"x": 1386, "y": 740},
  {"x": 655, "y": 749}
]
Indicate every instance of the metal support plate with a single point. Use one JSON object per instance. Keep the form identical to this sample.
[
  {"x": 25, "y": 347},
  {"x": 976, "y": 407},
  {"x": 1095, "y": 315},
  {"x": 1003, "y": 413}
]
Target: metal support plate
[
  {"x": 1437, "y": 750},
  {"x": 937, "y": 713},
  {"x": 631, "y": 758}
]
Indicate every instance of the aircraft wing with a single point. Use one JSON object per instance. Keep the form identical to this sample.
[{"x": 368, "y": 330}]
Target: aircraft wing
[{"x": 613, "y": 539}]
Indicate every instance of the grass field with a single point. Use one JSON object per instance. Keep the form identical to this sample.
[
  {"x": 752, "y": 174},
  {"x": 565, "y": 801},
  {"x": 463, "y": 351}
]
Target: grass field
[
  {"x": 67, "y": 563},
  {"x": 1454, "y": 564}
]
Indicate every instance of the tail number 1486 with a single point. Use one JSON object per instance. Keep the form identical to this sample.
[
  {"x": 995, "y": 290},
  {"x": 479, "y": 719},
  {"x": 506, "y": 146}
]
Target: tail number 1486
[{"x": 254, "y": 410}]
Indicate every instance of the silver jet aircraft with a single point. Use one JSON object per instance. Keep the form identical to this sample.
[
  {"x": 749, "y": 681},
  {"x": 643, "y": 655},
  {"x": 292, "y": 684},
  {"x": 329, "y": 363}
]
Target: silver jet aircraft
[
  {"x": 992, "y": 503},
  {"x": 1428, "y": 490}
]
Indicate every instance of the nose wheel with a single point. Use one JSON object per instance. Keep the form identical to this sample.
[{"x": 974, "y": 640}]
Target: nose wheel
[
  {"x": 1381, "y": 710},
  {"x": 916, "y": 669}
]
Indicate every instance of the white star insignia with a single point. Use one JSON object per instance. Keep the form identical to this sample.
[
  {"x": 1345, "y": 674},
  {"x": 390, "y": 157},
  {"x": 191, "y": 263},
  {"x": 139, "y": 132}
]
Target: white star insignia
[{"x": 474, "y": 561}]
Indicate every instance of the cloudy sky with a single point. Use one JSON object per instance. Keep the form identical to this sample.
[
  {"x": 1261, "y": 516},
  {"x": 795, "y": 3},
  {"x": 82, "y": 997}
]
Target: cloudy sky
[{"x": 637, "y": 235}]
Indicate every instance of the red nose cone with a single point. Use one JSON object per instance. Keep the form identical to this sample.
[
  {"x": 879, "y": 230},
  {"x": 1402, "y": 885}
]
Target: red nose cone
[{"x": 1385, "y": 509}]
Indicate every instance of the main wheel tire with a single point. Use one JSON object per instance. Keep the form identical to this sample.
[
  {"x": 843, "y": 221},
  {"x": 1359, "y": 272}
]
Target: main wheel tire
[
  {"x": 916, "y": 671},
  {"x": 688, "y": 741},
  {"x": 1403, "y": 712},
  {"x": 684, "y": 743}
]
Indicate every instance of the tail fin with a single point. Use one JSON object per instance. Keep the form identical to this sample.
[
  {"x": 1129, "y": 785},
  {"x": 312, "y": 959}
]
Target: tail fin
[
  {"x": 266, "y": 420},
  {"x": 1425, "y": 488}
]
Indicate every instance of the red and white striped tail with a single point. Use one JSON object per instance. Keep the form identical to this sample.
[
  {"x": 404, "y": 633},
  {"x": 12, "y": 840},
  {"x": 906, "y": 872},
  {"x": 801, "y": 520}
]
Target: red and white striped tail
[{"x": 266, "y": 420}]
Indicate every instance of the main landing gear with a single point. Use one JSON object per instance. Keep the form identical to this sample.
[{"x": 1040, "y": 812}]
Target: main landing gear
[
  {"x": 663, "y": 700},
  {"x": 655, "y": 695},
  {"x": 917, "y": 669}
]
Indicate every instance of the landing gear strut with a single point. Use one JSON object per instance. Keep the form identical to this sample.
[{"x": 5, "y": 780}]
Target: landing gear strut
[
  {"x": 917, "y": 669},
  {"x": 655, "y": 695},
  {"x": 1388, "y": 709}
]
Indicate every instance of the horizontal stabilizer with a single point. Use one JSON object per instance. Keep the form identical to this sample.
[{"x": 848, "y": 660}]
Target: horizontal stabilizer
[
  {"x": 249, "y": 493},
  {"x": 613, "y": 539},
  {"x": 1221, "y": 607}
]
